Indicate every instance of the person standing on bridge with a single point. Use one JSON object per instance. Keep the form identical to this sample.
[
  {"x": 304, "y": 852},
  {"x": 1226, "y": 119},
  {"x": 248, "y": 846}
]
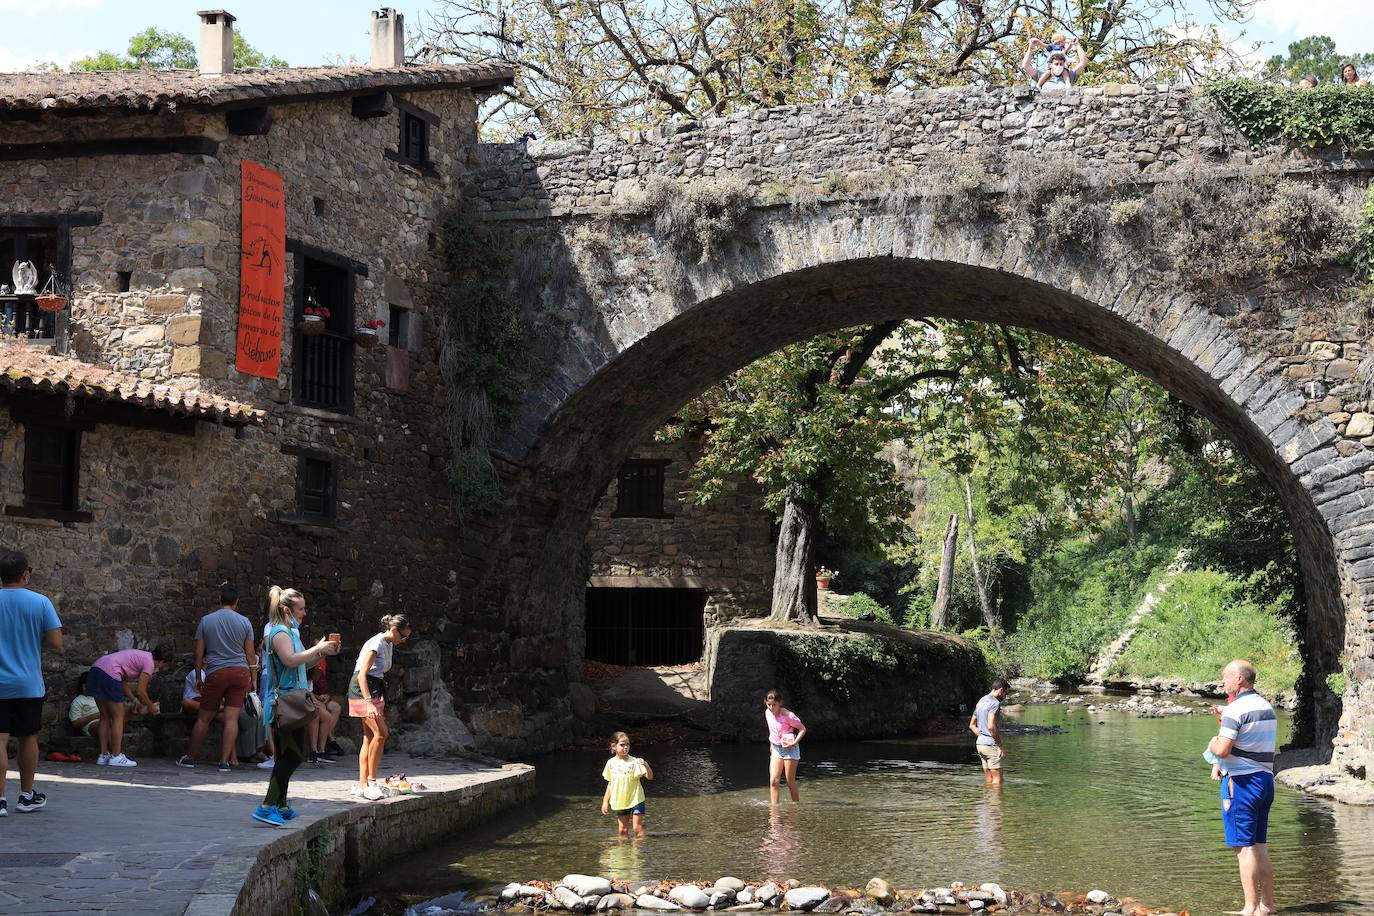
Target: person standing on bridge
[
  {"x": 1246, "y": 743},
  {"x": 983, "y": 724}
]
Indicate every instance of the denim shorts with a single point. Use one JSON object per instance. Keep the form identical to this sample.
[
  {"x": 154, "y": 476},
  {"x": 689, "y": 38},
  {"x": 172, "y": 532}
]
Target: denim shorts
[
  {"x": 103, "y": 687},
  {"x": 637, "y": 809},
  {"x": 785, "y": 753}
]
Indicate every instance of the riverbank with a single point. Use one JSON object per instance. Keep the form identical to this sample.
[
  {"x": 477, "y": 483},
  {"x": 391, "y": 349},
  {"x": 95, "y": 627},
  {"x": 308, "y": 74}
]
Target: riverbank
[{"x": 159, "y": 839}]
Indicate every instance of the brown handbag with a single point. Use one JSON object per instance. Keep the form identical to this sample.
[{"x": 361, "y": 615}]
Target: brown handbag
[{"x": 290, "y": 708}]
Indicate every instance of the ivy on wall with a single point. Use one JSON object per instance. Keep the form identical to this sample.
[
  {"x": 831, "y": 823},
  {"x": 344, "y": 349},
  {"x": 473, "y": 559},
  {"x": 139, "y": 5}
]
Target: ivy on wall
[{"x": 1329, "y": 115}]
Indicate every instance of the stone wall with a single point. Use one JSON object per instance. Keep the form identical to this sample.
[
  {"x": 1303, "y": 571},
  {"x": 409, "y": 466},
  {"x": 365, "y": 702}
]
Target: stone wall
[
  {"x": 725, "y": 548},
  {"x": 856, "y": 680},
  {"x": 173, "y": 516}
]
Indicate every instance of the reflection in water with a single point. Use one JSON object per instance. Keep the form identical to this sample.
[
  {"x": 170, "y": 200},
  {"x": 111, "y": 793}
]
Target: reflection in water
[
  {"x": 1114, "y": 802},
  {"x": 780, "y": 848},
  {"x": 622, "y": 859}
]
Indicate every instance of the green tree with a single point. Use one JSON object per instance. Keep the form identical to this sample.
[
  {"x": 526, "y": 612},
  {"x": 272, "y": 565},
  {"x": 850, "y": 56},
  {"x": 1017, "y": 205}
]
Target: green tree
[
  {"x": 1313, "y": 56},
  {"x": 159, "y": 49}
]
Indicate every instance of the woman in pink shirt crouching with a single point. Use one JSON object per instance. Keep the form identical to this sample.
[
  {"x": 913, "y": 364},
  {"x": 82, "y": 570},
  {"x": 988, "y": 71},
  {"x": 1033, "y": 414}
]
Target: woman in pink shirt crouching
[
  {"x": 785, "y": 732},
  {"x": 105, "y": 682}
]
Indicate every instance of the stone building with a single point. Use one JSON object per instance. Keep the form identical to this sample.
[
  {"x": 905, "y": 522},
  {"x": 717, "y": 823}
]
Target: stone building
[
  {"x": 142, "y": 465},
  {"x": 663, "y": 567}
]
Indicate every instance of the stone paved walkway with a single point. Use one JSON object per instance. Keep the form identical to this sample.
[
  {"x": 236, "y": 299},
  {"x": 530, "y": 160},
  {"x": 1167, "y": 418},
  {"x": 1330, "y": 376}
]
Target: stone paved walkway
[{"x": 144, "y": 840}]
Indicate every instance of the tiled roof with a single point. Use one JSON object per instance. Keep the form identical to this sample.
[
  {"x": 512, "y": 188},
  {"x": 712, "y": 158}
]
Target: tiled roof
[
  {"x": 24, "y": 368},
  {"x": 148, "y": 90}
]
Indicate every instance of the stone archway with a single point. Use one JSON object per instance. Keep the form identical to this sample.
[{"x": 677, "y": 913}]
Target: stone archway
[{"x": 633, "y": 354}]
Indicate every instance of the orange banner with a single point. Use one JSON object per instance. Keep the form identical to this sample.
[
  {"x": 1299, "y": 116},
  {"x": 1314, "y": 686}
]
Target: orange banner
[{"x": 262, "y": 272}]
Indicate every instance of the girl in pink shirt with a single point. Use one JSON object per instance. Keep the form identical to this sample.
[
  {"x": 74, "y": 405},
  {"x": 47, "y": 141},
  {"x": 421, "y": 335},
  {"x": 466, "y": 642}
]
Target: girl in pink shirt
[
  {"x": 105, "y": 682},
  {"x": 785, "y": 731}
]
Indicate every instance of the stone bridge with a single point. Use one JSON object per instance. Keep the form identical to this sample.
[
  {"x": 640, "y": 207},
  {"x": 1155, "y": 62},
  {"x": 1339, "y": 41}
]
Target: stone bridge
[{"x": 632, "y": 321}]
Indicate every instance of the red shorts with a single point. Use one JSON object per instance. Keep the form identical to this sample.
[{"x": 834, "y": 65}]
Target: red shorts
[{"x": 228, "y": 684}]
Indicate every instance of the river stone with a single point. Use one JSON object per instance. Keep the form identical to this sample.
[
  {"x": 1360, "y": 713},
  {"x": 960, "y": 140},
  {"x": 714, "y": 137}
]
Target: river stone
[
  {"x": 641, "y": 887},
  {"x": 879, "y": 890},
  {"x": 745, "y": 896},
  {"x": 976, "y": 905},
  {"x": 510, "y": 891},
  {"x": 805, "y": 898},
  {"x": 587, "y": 885},
  {"x": 836, "y": 903},
  {"x": 689, "y": 896},
  {"x": 730, "y": 884},
  {"x": 721, "y": 896},
  {"x": 995, "y": 890},
  {"x": 553, "y": 902},
  {"x": 745, "y": 907},
  {"x": 766, "y": 894},
  {"x": 615, "y": 902},
  {"x": 570, "y": 898},
  {"x": 1098, "y": 896},
  {"x": 650, "y": 902}
]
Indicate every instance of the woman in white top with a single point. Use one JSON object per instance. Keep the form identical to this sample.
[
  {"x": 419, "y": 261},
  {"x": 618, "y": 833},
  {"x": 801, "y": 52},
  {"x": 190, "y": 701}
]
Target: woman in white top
[{"x": 366, "y": 699}]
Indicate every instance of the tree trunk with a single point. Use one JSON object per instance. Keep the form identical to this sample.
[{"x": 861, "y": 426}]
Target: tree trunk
[
  {"x": 1129, "y": 505},
  {"x": 794, "y": 576},
  {"x": 939, "y": 613},
  {"x": 984, "y": 603}
]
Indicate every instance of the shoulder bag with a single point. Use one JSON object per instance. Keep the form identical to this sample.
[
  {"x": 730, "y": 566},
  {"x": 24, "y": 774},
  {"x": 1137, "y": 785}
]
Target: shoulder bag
[{"x": 291, "y": 709}]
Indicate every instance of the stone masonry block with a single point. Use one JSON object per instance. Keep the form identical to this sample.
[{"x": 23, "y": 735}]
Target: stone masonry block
[
  {"x": 144, "y": 335},
  {"x": 165, "y": 303},
  {"x": 185, "y": 330}
]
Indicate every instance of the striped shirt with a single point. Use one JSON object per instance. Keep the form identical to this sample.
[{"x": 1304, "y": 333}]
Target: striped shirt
[{"x": 1250, "y": 723}]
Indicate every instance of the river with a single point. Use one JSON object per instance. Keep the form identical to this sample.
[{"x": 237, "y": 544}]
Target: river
[{"x": 1113, "y": 802}]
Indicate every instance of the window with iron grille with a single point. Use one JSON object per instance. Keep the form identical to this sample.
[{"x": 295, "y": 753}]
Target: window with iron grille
[
  {"x": 639, "y": 489},
  {"x": 322, "y": 364},
  {"x": 315, "y": 486},
  {"x": 51, "y": 468}
]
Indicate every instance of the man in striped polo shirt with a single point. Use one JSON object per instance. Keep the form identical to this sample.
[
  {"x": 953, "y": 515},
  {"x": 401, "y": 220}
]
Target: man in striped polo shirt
[{"x": 1246, "y": 746}]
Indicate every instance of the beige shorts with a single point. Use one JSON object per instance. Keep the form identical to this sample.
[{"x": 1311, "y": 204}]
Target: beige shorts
[{"x": 990, "y": 755}]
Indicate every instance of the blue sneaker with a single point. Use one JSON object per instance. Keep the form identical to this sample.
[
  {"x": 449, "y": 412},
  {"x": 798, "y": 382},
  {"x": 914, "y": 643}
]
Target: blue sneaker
[
  {"x": 287, "y": 813},
  {"x": 269, "y": 816}
]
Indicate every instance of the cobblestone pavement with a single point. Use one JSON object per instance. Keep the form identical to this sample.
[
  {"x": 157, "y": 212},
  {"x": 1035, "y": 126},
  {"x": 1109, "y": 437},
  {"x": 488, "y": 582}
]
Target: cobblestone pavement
[{"x": 144, "y": 840}]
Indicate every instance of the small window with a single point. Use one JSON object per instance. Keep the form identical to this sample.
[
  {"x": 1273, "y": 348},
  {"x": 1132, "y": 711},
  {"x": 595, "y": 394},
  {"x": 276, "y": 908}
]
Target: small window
[
  {"x": 414, "y": 147},
  {"x": 51, "y": 463},
  {"x": 639, "y": 491},
  {"x": 322, "y": 364},
  {"x": 398, "y": 327},
  {"x": 315, "y": 489}
]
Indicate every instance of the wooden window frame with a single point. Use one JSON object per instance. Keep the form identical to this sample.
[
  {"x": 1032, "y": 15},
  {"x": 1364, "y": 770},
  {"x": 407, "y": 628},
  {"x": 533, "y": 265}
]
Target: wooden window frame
[
  {"x": 622, "y": 510},
  {"x": 61, "y": 224},
  {"x": 406, "y": 114},
  {"x": 67, "y": 511},
  {"x": 330, "y": 495},
  {"x": 344, "y": 326}
]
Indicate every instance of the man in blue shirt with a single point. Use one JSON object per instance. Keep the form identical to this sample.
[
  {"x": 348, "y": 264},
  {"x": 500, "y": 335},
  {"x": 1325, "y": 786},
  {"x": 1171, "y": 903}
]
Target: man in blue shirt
[
  {"x": 28, "y": 625},
  {"x": 983, "y": 723}
]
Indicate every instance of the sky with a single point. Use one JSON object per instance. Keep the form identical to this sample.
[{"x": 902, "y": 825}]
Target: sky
[{"x": 313, "y": 32}]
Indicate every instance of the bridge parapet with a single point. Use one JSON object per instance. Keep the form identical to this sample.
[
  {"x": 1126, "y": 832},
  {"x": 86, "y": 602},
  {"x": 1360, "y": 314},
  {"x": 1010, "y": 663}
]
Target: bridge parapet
[{"x": 1140, "y": 130}]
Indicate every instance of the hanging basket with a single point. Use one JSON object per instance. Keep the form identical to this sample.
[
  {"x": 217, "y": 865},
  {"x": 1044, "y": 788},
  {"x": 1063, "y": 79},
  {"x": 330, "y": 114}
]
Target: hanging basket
[
  {"x": 365, "y": 338},
  {"x": 50, "y": 298},
  {"x": 311, "y": 325}
]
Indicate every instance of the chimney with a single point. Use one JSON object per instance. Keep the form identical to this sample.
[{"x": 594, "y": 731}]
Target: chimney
[
  {"x": 216, "y": 42},
  {"x": 388, "y": 38}
]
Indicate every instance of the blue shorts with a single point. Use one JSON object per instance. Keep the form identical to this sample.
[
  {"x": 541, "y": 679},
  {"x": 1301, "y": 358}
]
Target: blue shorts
[
  {"x": 785, "y": 753},
  {"x": 637, "y": 809},
  {"x": 103, "y": 687},
  {"x": 1245, "y": 802}
]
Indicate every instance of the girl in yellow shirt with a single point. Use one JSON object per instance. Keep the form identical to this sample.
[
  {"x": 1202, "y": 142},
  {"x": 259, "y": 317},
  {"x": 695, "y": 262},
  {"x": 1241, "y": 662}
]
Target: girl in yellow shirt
[{"x": 624, "y": 794}]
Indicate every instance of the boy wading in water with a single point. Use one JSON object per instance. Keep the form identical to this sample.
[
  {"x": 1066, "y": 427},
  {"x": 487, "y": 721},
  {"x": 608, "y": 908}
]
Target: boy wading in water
[
  {"x": 624, "y": 794},
  {"x": 983, "y": 723}
]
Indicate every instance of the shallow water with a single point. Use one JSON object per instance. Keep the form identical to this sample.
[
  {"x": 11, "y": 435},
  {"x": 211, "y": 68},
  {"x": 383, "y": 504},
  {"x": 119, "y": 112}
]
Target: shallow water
[{"x": 1114, "y": 802}]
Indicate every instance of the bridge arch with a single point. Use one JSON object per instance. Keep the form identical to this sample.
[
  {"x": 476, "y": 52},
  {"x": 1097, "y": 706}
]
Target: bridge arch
[{"x": 635, "y": 353}]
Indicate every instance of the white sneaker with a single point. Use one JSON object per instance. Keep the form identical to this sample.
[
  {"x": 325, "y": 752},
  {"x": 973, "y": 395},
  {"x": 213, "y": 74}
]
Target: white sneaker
[
  {"x": 102, "y": 760},
  {"x": 122, "y": 761},
  {"x": 372, "y": 793},
  {"x": 355, "y": 791},
  {"x": 267, "y": 764}
]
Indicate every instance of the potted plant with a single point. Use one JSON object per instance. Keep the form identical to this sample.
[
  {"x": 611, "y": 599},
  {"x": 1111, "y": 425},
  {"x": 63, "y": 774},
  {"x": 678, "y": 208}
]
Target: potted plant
[
  {"x": 312, "y": 322},
  {"x": 823, "y": 577},
  {"x": 365, "y": 335}
]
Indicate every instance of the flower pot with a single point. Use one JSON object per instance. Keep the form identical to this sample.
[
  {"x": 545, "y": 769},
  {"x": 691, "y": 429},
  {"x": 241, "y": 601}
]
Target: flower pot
[
  {"x": 823, "y": 582},
  {"x": 365, "y": 338},
  {"x": 312, "y": 325},
  {"x": 47, "y": 302}
]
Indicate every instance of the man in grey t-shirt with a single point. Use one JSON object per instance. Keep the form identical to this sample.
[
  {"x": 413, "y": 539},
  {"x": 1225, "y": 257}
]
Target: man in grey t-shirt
[
  {"x": 983, "y": 724},
  {"x": 224, "y": 663}
]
